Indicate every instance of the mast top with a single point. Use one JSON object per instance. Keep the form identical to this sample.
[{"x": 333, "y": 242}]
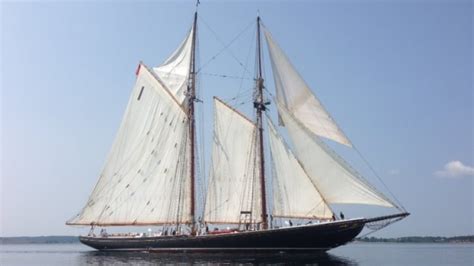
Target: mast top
[{"x": 197, "y": 5}]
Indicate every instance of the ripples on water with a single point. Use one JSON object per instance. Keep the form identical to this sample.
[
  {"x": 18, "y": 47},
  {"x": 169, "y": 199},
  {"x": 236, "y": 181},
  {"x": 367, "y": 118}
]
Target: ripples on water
[
  {"x": 205, "y": 259},
  {"x": 352, "y": 254},
  {"x": 72, "y": 254}
]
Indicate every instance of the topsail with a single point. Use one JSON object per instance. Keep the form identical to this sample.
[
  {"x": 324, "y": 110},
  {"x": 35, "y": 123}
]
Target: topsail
[{"x": 174, "y": 72}]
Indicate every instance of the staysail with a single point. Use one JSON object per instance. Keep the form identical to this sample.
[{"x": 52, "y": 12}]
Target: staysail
[
  {"x": 293, "y": 92},
  {"x": 174, "y": 72},
  {"x": 335, "y": 180},
  {"x": 294, "y": 193},
  {"x": 146, "y": 178},
  {"x": 233, "y": 185}
]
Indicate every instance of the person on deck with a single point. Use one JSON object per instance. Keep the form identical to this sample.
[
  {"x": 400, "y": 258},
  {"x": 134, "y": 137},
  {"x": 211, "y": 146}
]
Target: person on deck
[
  {"x": 91, "y": 232},
  {"x": 341, "y": 215},
  {"x": 103, "y": 232}
]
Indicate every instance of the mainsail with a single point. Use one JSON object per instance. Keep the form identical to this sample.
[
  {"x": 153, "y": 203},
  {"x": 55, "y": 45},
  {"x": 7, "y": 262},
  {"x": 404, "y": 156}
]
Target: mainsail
[
  {"x": 335, "y": 180},
  {"x": 293, "y": 92},
  {"x": 233, "y": 179},
  {"x": 174, "y": 72},
  {"x": 294, "y": 193},
  {"x": 146, "y": 177}
]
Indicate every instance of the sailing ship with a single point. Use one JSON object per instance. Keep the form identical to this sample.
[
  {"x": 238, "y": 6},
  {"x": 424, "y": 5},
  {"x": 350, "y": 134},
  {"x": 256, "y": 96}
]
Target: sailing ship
[{"x": 149, "y": 178}]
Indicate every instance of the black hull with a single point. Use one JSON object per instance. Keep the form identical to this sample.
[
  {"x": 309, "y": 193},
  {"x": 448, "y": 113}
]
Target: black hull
[{"x": 314, "y": 237}]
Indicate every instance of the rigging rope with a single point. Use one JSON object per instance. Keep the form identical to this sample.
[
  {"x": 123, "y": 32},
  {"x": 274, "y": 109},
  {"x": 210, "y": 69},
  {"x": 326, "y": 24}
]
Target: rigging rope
[
  {"x": 224, "y": 76},
  {"x": 200, "y": 148},
  {"x": 399, "y": 205},
  {"x": 225, "y": 46},
  {"x": 378, "y": 225},
  {"x": 245, "y": 93}
]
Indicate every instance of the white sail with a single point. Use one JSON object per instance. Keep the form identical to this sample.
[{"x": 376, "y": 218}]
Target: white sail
[
  {"x": 335, "y": 180},
  {"x": 294, "y": 194},
  {"x": 233, "y": 179},
  {"x": 293, "y": 92},
  {"x": 146, "y": 178},
  {"x": 174, "y": 72}
]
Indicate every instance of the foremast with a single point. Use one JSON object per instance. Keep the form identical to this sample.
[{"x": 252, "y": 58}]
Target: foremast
[
  {"x": 191, "y": 98},
  {"x": 259, "y": 105}
]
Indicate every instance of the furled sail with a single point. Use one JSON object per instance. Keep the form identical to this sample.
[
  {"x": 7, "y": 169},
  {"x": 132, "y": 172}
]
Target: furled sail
[
  {"x": 294, "y": 193},
  {"x": 335, "y": 180},
  {"x": 174, "y": 72},
  {"x": 146, "y": 178},
  {"x": 233, "y": 179},
  {"x": 293, "y": 92}
]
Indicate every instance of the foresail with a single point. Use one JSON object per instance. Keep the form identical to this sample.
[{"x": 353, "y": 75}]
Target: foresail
[
  {"x": 146, "y": 178},
  {"x": 294, "y": 194},
  {"x": 174, "y": 72},
  {"x": 233, "y": 185},
  {"x": 335, "y": 180},
  {"x": 293, "y": 92}
]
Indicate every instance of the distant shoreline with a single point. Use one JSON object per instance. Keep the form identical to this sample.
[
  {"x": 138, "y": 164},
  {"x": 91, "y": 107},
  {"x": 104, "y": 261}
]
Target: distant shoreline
[
  {"x": 419, "y": 239},
  {"x": 408, "y": 239}
]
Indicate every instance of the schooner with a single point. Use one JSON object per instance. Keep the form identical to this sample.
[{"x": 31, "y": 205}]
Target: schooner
[{"x": 149, "y": 178}]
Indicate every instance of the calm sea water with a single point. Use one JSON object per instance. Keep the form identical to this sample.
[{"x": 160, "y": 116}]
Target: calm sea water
[{"x": 352, "y": 254}]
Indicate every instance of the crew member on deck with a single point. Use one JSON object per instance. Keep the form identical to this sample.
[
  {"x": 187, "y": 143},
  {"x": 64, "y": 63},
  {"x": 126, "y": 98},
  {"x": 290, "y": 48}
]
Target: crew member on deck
[
  {"x": 103, "y": 232},
  {"x": 341, "y": 215}
]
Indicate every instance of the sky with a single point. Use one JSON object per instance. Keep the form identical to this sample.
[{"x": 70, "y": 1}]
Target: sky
[{"x": 397, "y": 76}]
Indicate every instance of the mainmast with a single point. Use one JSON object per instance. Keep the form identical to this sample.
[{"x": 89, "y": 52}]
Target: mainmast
[
  {"x": 192, "y": 121},
  {"x": 259, "y": 105}
]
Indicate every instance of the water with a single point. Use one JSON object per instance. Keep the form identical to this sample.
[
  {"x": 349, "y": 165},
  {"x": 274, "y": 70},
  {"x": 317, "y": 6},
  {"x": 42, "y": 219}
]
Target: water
[{"x": 353, "y": 254}]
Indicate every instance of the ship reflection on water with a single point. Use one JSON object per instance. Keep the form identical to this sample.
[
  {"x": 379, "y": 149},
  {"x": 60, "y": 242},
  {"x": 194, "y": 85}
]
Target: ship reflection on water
[{"x": 144, "y": 258}]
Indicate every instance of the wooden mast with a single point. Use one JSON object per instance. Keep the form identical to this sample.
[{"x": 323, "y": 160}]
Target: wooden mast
[
  {"x": 192, "y": 120},
  {"x": 259, "y": 105}
]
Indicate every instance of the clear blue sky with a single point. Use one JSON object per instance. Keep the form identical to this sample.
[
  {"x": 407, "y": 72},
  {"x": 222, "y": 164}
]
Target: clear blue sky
[{"x": 396, "y": 75}]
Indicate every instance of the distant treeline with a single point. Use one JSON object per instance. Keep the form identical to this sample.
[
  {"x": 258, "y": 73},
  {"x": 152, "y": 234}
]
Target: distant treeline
[
  {"x": 39, "y": 240},
  {"x": 420, "y": 239}
]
